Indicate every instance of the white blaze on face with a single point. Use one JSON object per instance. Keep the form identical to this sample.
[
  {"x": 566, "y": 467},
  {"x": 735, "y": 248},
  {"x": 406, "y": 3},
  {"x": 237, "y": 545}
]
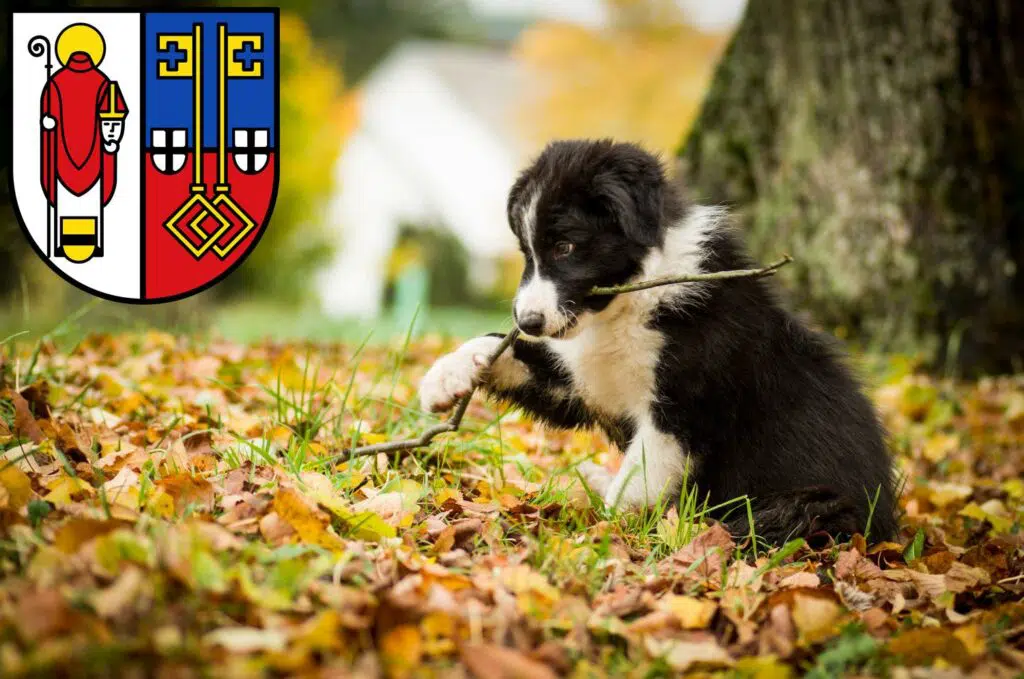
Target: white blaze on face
[{"x": 538, "y": 295}]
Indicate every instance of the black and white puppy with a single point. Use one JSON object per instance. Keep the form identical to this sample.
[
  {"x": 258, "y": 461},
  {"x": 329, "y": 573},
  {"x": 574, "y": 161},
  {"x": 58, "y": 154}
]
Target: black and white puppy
[{"x": 712, "y": 381}]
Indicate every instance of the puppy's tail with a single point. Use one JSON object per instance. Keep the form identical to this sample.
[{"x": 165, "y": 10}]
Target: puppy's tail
[{"x": 812, "y": 513}]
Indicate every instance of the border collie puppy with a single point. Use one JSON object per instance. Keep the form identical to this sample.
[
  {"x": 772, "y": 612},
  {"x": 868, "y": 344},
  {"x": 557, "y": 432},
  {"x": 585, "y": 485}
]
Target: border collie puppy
[{"x": 711, "y": 381}]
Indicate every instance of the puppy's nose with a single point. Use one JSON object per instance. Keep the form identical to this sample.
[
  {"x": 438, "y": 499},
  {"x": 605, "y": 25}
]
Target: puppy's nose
[{"x": 531, "y": 323}]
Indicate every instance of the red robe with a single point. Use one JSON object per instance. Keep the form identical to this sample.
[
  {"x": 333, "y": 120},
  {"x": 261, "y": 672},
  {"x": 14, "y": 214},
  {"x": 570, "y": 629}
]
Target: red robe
[{"x": 73, "y": 150}]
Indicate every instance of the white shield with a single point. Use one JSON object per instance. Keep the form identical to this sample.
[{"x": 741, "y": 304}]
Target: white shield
[
  {"x": 93, "y": 245},
  {"x": 169, "y": 148},
  {"x": 250, "y": 149}
]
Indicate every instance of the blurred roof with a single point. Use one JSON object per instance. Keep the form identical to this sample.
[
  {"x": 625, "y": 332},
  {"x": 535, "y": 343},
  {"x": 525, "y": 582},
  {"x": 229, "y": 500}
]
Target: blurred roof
[
  {"x": 708, "y": 15},
  {"x": 488, "y": 83}
]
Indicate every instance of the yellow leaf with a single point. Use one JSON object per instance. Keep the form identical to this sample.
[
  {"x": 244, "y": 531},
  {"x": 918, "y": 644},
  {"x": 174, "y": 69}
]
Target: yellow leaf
[
  {"x": 942, "y": 494},
  {"x": 446, "y": 494},
  {"x": 160, "y": 504},
  {"x": 1014, "y": 488},
  {"x": 68, "y": 489},
  {"x": 306, "y": 519},
  {"x": 535, "y": 595},
  {"x": 973, "y": 639},
  {"x": 815, "y": 617},
  {"x": 763, "y": 667},
  {"x": 439, "y": 633},
  {"x": 77, "y": 531},
  {"x": 370, "y": 438},
  {"x": 925, "y": 645},
  {"x": 18, "y": 487},
  {"x": 365, "y": 525},
  {"x": 401, "y": 650},
  {"x": 993, "y": 513},
  {"x": 691, "y": 612},
  {"x": 940, "y": 446}
]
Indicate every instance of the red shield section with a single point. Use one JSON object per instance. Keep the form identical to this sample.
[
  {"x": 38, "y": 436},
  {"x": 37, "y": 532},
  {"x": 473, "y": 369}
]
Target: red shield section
[{"x": 221, "y": 226}]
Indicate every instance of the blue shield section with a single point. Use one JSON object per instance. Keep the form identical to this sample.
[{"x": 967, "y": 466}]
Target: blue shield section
[{"x": 169, "y": 99}]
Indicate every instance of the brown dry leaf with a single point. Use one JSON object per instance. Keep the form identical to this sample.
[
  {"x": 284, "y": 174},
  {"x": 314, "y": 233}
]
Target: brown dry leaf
[
  {"x": 37, "y": 396},
  {"x": 685, "y": 655},
  {"x": 932, "y": 586},
  {"x": 709, "y": 550},
  {"x": 445, "y": 540},
  {"x": 42, "y": 614},
  {"x": 120, "y": 596},
  {"x": 779, "y": 635},
  {"x": 246, "y": 639},
  {"x": 960, "y": 577},
  {"x": 802, "y": 579},
  {"x": 274, "y": 529},
  {"x": 851, "y": 564},
  {"x": 24, "y": 421},
  {"x": 188, "y": 491},
  {"x": 488, "y": 661}
]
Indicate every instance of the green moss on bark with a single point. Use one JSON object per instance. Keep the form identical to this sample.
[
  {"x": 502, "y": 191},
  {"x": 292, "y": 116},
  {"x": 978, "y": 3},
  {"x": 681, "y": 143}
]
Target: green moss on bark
[{"x": 881, "y": 143}]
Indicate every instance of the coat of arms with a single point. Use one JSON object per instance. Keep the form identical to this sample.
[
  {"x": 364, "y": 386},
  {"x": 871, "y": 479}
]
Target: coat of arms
[{"x": 145, "y": 159}]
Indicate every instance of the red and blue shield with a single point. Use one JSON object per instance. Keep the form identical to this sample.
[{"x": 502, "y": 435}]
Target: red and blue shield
[{"x": 151, "y": 169}]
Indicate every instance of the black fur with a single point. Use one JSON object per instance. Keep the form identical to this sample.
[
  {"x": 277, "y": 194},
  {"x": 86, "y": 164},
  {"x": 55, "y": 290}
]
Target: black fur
[{"x": 765, "y": 406}]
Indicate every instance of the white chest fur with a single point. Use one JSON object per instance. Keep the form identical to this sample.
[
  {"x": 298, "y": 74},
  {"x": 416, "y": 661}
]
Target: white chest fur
[
  {"x": 613, "y": 360},
  {"x": 614, "y": 357}
]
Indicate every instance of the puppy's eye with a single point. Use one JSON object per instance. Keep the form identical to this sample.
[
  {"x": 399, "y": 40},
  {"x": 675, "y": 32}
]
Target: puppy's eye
[{"x": 563, "y": 249}]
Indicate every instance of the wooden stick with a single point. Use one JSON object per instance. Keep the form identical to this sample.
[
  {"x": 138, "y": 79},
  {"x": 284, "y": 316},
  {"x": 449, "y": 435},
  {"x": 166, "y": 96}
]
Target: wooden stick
[
  {"x": 455, "y": 420},
  {"x": 694, "y": 278}
]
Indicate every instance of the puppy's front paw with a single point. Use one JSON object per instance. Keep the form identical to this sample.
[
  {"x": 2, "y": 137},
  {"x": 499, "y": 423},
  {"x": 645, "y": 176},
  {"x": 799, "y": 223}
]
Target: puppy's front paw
[{"x": 456, "y": 374}]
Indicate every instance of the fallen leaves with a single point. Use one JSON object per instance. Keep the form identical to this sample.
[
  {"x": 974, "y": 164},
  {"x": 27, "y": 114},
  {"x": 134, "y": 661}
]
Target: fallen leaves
[{"x": 177, "y": 501}]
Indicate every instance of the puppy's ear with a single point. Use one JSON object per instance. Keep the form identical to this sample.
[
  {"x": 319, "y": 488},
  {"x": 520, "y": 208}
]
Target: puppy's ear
[{"x": 633, "y": 190}]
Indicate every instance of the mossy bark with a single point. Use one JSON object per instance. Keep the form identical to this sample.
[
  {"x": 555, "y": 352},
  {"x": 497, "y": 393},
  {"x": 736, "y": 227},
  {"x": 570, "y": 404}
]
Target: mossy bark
[{"x": 881, "y": 143}]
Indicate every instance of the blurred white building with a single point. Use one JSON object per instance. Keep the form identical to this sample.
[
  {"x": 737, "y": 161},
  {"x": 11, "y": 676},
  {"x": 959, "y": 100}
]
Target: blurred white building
[{"x": 437, "y": 143}]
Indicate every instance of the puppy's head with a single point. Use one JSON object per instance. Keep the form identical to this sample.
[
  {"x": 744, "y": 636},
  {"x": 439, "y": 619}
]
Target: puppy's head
[{"x": 586, "y": 213}]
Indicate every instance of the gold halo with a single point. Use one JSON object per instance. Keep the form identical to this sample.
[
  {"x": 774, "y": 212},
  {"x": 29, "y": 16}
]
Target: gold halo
[{"x": 80, "y": 38}]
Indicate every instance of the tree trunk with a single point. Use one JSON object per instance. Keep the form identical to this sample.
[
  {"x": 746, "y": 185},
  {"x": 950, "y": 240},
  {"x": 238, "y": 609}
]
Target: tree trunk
[{"x": 881, "y": 143}]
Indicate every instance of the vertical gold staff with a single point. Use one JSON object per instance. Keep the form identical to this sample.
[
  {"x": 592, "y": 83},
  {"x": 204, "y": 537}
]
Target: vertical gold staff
[
  {"x": 197, "y": 109},
  {"x": 222, "y": 188},
  {"x": 198, "y": 188}
]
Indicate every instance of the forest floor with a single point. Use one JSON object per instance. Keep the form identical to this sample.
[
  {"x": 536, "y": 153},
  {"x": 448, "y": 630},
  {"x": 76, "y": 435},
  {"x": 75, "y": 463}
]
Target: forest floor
[{"x": 169, "y": 506}]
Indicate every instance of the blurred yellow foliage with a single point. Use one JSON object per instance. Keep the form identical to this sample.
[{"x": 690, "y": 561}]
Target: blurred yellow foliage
[
  {"x": 640, "y": 79},
  {"x": 316, "y": 116}
]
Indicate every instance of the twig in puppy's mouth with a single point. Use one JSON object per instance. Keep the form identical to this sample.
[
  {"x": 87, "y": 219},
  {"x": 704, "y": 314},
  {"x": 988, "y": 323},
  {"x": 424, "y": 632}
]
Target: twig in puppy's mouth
[
  {"x": 453, "y": 423},
  {"x": 692, "y": 278}
]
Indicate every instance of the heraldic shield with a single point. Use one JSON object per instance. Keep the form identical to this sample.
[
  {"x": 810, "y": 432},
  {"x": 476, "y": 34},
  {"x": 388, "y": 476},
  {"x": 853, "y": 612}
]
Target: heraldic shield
[{"x": 145, "y": 162}]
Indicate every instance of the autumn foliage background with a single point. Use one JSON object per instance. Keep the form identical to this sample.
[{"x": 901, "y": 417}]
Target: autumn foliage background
[{"x": 174, "y": 498}]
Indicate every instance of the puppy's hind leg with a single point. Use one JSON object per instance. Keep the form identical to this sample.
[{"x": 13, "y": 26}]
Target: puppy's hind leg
[{"x": 805, "y": 513}]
